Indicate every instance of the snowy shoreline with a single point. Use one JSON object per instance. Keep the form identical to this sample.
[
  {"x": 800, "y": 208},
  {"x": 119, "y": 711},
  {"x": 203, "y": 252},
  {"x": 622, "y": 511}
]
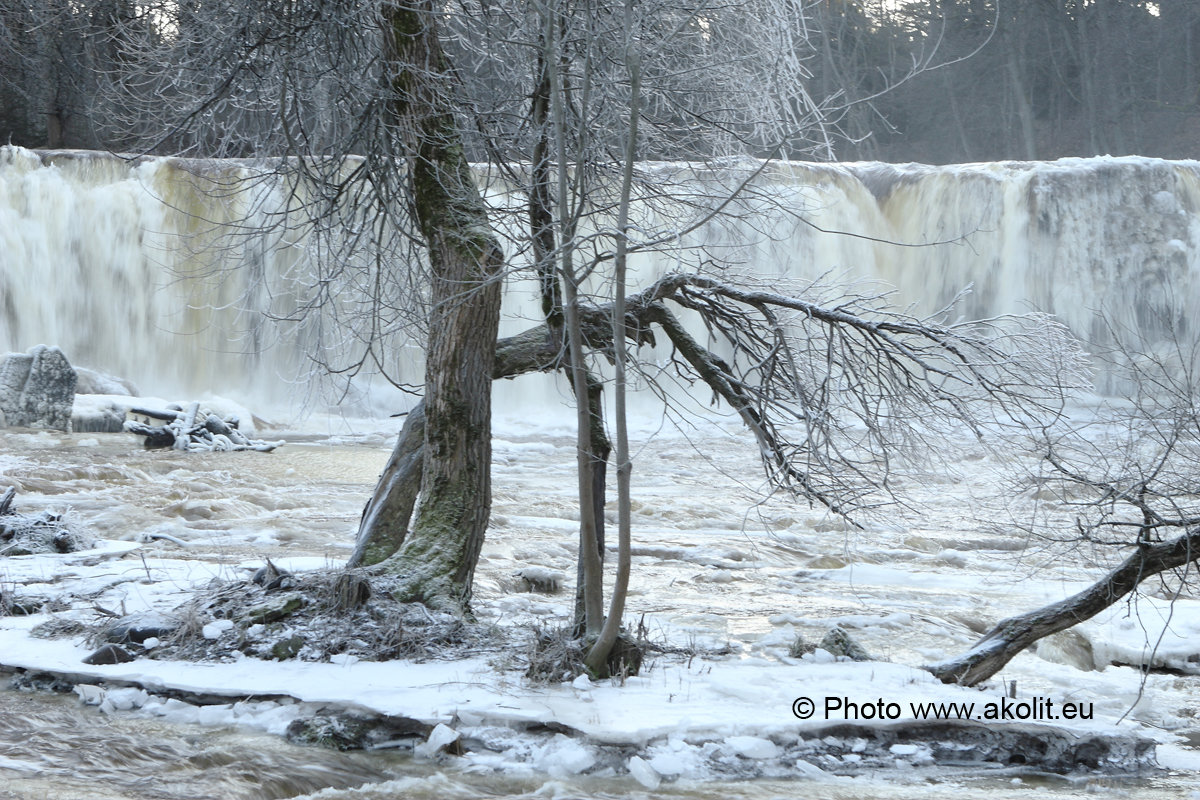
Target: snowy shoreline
[{"x": 704, "y": 719}]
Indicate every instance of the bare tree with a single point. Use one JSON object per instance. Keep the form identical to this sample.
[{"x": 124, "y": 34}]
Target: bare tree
[
  {"x": 832, "y": 383},
  {"x": 1130, "y": 478}
]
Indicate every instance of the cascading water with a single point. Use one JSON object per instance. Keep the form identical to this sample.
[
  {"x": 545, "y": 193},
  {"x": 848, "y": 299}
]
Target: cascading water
[{"x": 128, "y": 266}]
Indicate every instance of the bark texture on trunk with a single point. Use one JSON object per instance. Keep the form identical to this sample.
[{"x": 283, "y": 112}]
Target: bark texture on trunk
[
  {"x": 1009, "y": 637},
  {"x": 436, "y": 562},
  {"x": 385, "y": 520},
  {"x": 388, "y": 514}
]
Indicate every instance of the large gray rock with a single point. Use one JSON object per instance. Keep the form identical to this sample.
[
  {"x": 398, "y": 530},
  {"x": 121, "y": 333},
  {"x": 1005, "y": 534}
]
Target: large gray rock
[
  {"x": 95, "y": 382},
  {"x": 37, "y": 389}
]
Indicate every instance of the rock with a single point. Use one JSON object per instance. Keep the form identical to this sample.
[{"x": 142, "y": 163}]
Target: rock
[
  {"x": 349, "y": 730},
  {"x": 37, "y": 389},
  {"x": 800, "y": 647},
  {"x": 137, "y": 628},
  {"x": 91, "y": 381},
  {"x": 98, "y": 413},
  {"x": 839, "y": 643},
  {"x": 110, "y": 654},
  {"x": 286, "y": 649},
  {"x": 271, "y": 577},
  {"x": 1068, "y": 647},
  {"x": 275, "y": 610},
  {"x": 44, "y": 532}
]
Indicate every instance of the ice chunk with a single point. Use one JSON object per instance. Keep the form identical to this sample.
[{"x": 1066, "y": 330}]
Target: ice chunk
[
  {"x": 752, "y": 746},
  {"x": 126, "y": 698},
  {"x": 643, "y": 773},
  {"x": 439, "y": 739},
  {"x": 563, "y": 756},
  {"x": 213, "y": 630}
]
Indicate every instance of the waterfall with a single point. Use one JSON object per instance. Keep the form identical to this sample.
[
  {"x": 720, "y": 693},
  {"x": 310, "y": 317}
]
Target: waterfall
[{"x": 128, "y": 267}]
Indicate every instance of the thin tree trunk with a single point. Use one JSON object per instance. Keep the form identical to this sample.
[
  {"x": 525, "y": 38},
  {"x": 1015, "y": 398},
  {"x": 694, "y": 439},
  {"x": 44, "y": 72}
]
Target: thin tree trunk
[
  {"x": 1011, "y": 636},
  {"x": 597, "y": 657},
  {"x": 436, "y": 562},
  {"x": 589, "y": 555},
  {"x": 541, "y": 224}
]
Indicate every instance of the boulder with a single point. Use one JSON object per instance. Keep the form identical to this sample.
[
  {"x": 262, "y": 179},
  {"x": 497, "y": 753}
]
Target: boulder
[
  {"x": 37, "y": 389},
  {"x": 137, "y": 628},
  {"x": 841, "y": 644},
  {"x": 94, "y": 382}
]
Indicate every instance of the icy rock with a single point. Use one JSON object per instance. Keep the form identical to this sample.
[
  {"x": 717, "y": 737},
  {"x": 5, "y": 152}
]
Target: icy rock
[
  {"x": 288, "y": 648},
  {"x": 1068, "y": 647},
  {"x": 44, "y": 532},
  {"x": 752, "y": 746},
  {"x": 841, "y": 644},
  {"x": 37, "y": 389},
  {"x": 91, "y": 381},
  {"x": 99, "y": 413},
  {"x": 140, "y": 628},
  {"x": 349, "y": 730},
  {"x": 275, "y": 610},
  {"x": 582, "y": 683},
  {"x": 643, "y": 773}
]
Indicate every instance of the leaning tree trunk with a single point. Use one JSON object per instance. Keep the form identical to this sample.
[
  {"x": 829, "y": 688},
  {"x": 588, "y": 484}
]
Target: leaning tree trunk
[
  {"x": 436, "y": 562},
  {"x": 384, "y": 523},
  {"x": 1014, "y": 634}
]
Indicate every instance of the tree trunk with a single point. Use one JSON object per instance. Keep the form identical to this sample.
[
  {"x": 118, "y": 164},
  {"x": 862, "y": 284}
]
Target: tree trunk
[
  {"x": 385, "y": 520},
  {"x": 384, "y": 524},
  {"x": 436, "y": 562},
  {"x": 544, "y": 240},
  {"x": 597, "y": 658},
  {"x": 1011, "y": 636}
]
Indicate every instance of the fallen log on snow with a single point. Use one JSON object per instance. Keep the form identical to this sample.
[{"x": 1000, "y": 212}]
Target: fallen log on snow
[
  {"x": 195, "y": 430},
  {"x": 1010, "y": 636}
]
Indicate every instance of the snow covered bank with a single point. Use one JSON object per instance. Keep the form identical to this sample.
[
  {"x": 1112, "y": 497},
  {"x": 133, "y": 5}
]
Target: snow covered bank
[{"x": 696, "y": 718}]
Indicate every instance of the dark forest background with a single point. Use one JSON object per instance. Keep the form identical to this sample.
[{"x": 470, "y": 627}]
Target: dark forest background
[{"x": 935, "y": 81}]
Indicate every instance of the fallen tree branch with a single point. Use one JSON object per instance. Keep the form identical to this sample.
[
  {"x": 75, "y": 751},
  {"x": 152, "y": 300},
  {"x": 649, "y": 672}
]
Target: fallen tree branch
[{"x": 1009, "y": 637}]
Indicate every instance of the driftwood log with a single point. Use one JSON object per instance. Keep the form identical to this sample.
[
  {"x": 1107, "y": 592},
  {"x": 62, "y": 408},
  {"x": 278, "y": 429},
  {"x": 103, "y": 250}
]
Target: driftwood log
[
  {"x": 193, "y": 430},
  {"x": 1010, "y": 636}
]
